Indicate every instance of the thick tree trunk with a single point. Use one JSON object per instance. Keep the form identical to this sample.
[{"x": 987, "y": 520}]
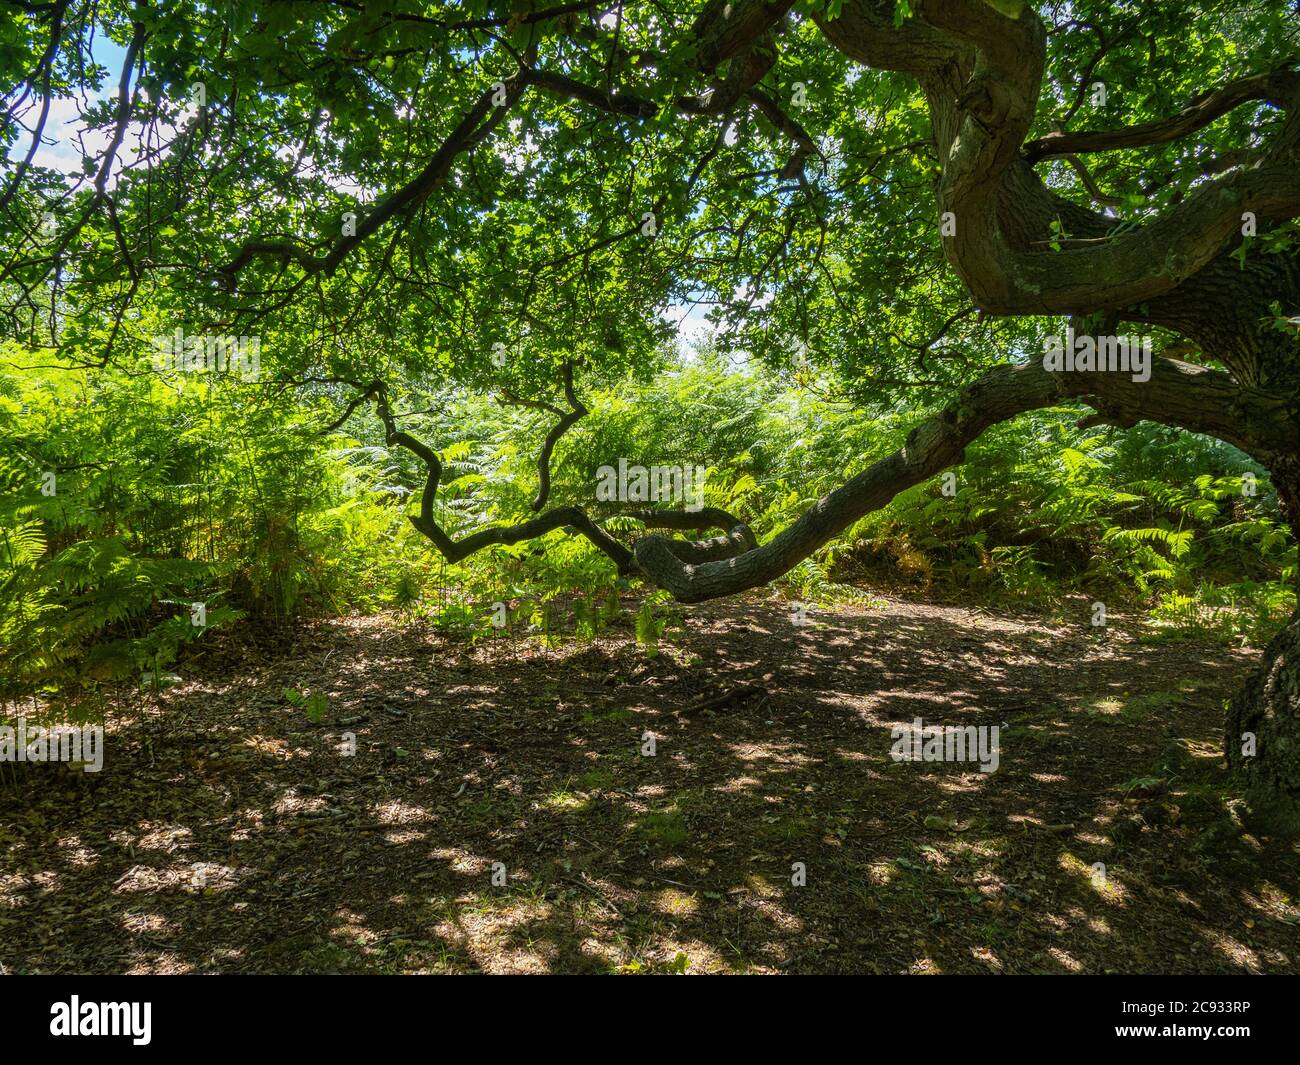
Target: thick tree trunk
[
  {"x": 1262, "y": 731},
  {"x": 1262, "y": 736}
]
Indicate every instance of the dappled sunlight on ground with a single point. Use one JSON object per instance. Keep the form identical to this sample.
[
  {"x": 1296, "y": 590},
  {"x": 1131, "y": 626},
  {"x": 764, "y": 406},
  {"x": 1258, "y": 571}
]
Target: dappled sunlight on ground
[{"x": 499, "y": 813}]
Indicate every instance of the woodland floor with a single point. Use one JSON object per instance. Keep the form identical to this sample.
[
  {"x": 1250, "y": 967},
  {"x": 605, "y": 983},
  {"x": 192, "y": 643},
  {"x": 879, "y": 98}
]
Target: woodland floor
[{"x": 226, "y": 833}]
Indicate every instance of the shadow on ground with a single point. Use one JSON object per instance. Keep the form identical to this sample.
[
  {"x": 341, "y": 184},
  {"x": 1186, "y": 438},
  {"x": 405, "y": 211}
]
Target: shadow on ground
[{"x": 227, "y": 833}]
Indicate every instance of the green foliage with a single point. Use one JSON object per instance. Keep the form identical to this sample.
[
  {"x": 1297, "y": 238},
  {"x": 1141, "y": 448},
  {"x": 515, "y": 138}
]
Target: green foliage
[
  {"x": 166, "y": 494},
  {"x": 649, "y": 628},
  {"x": 174, "y": 492},
  {"x": 313, "y": 704},
  {"x": 92, "y": 588},
  {"x": 1041, "y": 509},
  {"x": 527, "y": 253}
]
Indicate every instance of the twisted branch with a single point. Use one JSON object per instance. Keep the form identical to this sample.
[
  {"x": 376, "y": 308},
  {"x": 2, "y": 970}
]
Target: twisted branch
[{"x": 567, "y": 419}]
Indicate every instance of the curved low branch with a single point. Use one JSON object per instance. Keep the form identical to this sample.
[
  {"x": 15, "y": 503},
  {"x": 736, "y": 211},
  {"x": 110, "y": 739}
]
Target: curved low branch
[
  {"x": 1181, "y": 394},
  {"x": 736, "y": 538},
  {"x": 1265, "y": 425},
  {"x": 567, "y": 518},
  {"x": 939, "y": 442},
  {"x": 697, "y": 520}
]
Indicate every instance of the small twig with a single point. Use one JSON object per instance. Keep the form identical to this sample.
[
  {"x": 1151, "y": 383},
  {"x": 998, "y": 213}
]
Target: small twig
[{"x": 735, "y": 695}]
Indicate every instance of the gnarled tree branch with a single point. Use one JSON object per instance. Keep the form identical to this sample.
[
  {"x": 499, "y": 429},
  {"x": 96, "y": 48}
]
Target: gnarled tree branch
[
  {"x": 568, "y": 518},
  {"x": 567, "y": 418},
  {"x": 1281, "y": 88},
  {"x": 1191, "y": 397},
  {"x": 473, "y": 128}
]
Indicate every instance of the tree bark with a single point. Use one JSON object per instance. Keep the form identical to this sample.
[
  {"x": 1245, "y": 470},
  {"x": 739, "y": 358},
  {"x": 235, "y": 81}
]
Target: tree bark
[
  {"x": 1262, "y": 734},
  {"x": 1262, "y": 731}
]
